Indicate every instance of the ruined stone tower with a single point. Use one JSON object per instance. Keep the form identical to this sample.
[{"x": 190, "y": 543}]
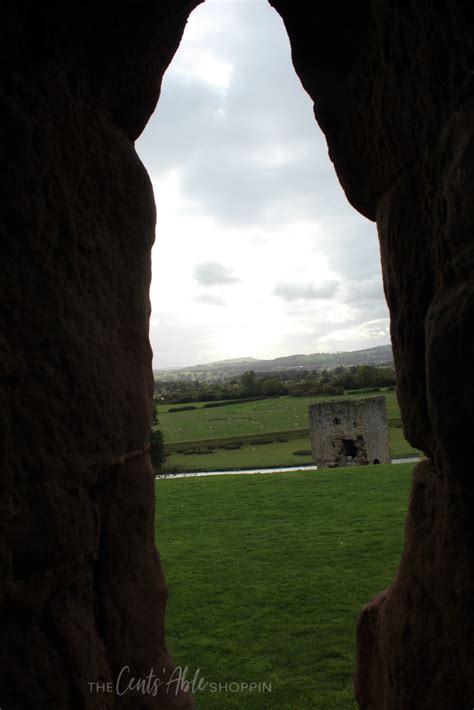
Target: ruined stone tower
[
  {"x": 349, "y": 432},
  {"x": 83, "y": 593}
]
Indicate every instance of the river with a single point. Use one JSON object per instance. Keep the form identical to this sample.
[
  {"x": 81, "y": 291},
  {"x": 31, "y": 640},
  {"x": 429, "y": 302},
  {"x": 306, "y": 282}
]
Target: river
[{"x": 285, "y": 469}]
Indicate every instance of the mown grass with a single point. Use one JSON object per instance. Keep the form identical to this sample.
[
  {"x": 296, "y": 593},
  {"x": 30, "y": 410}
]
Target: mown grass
[
  {"x": 267, "y": 575},
  {"x": 399, "y": 446},
  {"x": 249, "y": 456}
]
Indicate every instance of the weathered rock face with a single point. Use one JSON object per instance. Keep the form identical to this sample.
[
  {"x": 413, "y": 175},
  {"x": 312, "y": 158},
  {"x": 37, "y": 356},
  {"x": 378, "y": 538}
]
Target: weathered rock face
[
  {"x": 415, "y": 640},
  {"x": 395, "y": 102},
  {"x": 82, "y": 593},
  {"x": 350, "y": 432}
]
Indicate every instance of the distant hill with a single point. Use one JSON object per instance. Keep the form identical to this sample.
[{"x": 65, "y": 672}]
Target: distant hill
[
  {"x": 223, "y": 369},
  {"x": 234, "y": 362}
]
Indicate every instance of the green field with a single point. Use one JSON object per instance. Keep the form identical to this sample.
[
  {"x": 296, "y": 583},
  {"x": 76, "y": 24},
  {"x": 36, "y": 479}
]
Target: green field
[
  {"x": 282, "y": 417},
  {"x": 267, "y": 455},
  {"x": 248, "y": 418},
  {"x": 267, "y": 575}
]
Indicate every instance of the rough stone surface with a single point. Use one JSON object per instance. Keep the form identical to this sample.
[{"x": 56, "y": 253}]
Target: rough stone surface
[
  {"x": 82, "y": 591},
  {"x": 396, "y": 105},
  {"x": 349, "y": 432},
  {"x": 416, "y": 639}
]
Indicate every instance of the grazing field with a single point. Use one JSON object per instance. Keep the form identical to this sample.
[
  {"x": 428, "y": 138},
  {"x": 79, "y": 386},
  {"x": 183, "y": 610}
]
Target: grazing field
[
  {"x": 261, "y": 417},
  {"x": 209, "y": 429},
  {"x": 267, "y": 575},
  {"x": 267, "y": 455}
]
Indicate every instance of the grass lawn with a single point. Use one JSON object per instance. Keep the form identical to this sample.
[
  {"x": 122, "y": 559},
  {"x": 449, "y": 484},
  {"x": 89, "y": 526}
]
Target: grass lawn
[
  {"x": 248, "y": 418},
  {"x": 267, "y": 574},
  {"x": 399, "y": 446},
  {"x": 267, "y": 455},
  {"x": 286, "y": 417},
  {"x": 249, "y": 456}
]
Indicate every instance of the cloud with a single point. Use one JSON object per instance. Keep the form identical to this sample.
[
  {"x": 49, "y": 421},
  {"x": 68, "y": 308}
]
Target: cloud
[
  {"x": 242, "y": 178},
  {"x": 250, "y": 148},
  {"x": 212, "y": 273},
  {"x": 170, "y": 339},
  {"x": 211, "y": 300},
  {"x": 370, "y": 289},
  {"x": 305, "y": 291},
  {"x": 361, "y": 335}
]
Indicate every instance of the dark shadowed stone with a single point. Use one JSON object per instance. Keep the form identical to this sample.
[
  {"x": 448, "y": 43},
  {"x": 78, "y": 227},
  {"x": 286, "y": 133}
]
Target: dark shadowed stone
[
  {"x": 416, "y": 640},
  {"x": 395, "y": 103},
  {"x": 82, "y": 590}
]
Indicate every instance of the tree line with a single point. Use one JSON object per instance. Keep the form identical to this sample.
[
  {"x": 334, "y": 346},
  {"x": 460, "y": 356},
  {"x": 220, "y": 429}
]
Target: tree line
[{"x": 297, "y": 383}]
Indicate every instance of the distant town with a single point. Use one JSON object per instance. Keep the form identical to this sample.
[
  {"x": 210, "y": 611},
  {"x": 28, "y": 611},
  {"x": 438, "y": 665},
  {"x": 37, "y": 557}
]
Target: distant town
[{"x": 224, "y": 370}]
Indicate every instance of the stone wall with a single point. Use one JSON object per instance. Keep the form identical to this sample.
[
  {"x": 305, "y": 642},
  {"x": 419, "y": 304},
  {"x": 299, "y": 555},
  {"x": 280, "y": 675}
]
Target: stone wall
[
  {"x": 393, "y": 90},
  {"x": 349, "y": 432},
  {"x": 82, "y": 591}
]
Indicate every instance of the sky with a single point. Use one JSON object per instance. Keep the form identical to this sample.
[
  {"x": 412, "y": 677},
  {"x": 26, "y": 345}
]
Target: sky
[{"x": 257, "y": 252}]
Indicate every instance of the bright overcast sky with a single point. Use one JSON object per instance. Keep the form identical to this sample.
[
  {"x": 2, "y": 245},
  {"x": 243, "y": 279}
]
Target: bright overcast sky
[{"x": 257, "y": 251}]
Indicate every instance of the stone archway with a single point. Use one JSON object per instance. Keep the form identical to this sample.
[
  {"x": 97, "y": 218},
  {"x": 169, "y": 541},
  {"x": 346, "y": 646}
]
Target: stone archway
[{"x": 83, "y": 593}]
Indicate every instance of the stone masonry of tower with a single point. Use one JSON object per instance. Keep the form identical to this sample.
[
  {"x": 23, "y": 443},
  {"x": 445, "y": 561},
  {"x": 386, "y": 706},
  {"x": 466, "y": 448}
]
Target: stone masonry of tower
[{"x": 349, "y": 432}]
